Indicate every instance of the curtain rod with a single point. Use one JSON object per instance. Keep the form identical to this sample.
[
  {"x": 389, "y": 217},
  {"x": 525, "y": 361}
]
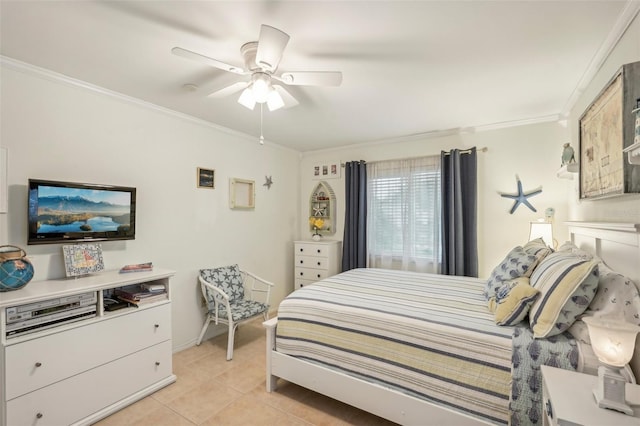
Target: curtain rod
[{"x": 462, "y": 151}]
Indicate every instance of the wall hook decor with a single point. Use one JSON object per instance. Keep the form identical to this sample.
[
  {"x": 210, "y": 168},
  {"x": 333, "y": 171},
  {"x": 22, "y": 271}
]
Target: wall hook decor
[{"x": 521, "y": 196}]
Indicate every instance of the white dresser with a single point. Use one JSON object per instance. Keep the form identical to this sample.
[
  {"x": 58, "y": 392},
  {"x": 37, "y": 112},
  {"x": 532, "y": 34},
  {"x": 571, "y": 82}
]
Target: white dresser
[
  {"x": 82, "y": 369},
  {"x": 315, "y": 260}
]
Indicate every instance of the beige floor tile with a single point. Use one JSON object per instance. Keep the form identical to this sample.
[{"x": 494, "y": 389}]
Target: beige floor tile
[
  {"x": 132, "y": 413},
  {"x": 187, "y": 379},
  {"x": 163, "y": 417},
  {"x": 244, "y": 376},
  {"x": 203, "y": 401},
  {"x": 244, "y": 411}
]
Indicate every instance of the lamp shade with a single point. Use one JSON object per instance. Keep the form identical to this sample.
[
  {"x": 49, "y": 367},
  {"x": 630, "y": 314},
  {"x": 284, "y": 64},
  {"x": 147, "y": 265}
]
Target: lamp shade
[
  {"x": 542, "y": 230},
  {"x": 613, "y": 340}
]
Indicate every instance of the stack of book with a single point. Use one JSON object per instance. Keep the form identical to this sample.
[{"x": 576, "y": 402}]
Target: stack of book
[
  {"x": 138, "y": 267},
  {"x": 139, "y": 294}
]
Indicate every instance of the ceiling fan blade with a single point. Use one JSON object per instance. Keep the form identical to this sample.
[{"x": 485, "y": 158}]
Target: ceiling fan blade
[
  {"x": 287, "y": 98},
  {"x": 271, "y": 44},
  {"x": 178, "y": 51},
  {"x": 228, "y": 90},
  {"x": 312, "y": 78}
]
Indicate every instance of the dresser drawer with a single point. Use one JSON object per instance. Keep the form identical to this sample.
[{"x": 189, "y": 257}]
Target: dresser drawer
[
  {"x": 300, "y": 282},
  {"x": 310, "y": 249},
  {"x": 312, "y": 262},
  {"x": 39, "y": 362},
  {"x": 71, "y": 400},
  {"x": 311, "y": 274}
]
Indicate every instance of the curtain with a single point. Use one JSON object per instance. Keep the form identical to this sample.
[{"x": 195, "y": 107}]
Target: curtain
[
  {"x": 354, "y": 243},
  {"x": 403, "y": 227},
  {"x": 459, "y": 213}
]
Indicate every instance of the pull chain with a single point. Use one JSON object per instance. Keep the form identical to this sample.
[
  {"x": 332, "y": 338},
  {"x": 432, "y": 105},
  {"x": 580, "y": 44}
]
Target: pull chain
[{"x": 261, "y": 140}]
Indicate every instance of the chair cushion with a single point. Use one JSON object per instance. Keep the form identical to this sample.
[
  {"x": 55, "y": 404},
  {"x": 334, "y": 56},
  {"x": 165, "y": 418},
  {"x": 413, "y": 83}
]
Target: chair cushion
[
  {"x": 226, "y": 278},
  {"x": 242, "y": 309}
]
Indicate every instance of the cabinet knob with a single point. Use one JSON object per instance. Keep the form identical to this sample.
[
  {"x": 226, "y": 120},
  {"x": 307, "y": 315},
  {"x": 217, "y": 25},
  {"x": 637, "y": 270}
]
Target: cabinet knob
[
  {"x": 38, "y": 364},
  {"x": 318, "y": 275},
  {"x": 156, "y": 325},
  {"x": 319, "y": 263},
  {"x": 318, "y": 250},
  {"x": 301, "y": 250},
  {"x": 157, "y": 363},
  {"x": 301, "y": 273},
  {"x": 301, "y": 262},
  {"x": 39, "y": 415}
]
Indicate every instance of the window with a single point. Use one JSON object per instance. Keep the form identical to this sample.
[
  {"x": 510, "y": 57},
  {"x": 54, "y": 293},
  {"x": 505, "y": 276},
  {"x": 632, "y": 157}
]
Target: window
[{"x": 403, "y": 214}]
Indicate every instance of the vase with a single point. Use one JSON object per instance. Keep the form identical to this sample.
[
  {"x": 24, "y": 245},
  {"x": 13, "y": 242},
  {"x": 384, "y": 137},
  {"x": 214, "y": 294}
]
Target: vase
[{"x": 316, "y": 237}]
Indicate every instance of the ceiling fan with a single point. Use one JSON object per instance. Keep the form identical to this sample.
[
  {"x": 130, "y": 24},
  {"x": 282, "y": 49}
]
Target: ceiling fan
[{"x": 261, "y": 60}]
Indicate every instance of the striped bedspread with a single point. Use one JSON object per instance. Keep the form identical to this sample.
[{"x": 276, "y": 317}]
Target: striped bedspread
[{"x": 429, "y": 336}]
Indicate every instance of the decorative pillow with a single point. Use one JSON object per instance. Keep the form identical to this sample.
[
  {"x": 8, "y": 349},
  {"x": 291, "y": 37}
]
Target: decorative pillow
[
  {"x": 539, "y": 249},
  {"x": 512, "y": 301},
  {"x": 567, "y": 284},
  {"x": 617, "y": 295},
  {"x": 227, "y": 279},
  {"x": 515, "y": 265}
]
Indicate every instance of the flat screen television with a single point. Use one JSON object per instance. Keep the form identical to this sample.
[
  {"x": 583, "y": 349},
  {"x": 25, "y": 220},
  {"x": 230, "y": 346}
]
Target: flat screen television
[{"x": 72, "y": 212}]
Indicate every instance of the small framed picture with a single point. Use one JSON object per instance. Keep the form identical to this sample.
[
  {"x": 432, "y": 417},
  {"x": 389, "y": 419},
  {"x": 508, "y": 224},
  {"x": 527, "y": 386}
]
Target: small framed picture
[
  {"x": 206, "y": 178},
  {"x": 82, "y": 259}
]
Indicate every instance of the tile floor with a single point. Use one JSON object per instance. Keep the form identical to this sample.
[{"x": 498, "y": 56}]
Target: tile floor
[{"x": 213, "y": 391}]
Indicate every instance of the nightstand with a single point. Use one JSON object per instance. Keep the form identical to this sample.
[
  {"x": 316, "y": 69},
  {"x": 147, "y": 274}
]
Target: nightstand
[{"x": 567, "y": 399}]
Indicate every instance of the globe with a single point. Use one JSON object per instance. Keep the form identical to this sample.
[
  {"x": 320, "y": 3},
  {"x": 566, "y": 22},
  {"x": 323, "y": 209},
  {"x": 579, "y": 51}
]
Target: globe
[{"x": 15, "y": 274}]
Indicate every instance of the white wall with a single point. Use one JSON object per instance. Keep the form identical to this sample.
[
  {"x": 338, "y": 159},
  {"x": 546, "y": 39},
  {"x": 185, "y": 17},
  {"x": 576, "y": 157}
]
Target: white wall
[
  {"x": 57, "y": 131},
  {"x": 530, "y": 151},
  {"x": 617, "y": 209}
]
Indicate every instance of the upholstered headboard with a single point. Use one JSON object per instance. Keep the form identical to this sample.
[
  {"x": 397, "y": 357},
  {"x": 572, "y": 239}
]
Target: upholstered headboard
[{"x": 618, "y": 245}]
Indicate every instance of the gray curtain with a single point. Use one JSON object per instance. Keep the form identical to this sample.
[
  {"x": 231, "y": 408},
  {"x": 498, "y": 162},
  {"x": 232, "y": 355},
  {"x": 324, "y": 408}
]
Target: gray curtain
[
  {"x": 459, "y": 213},
  {"x": 354, "y": 243}
]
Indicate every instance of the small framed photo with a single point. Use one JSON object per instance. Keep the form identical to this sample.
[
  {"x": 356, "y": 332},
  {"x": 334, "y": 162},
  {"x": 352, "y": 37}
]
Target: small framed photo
[
  {"x": 332, "y": 170},
  {"x": 82, "y": 259},
  {"x": 206, "y": 178}
]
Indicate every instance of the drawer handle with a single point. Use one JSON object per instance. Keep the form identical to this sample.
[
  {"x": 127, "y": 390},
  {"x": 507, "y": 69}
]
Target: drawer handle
[
  {"x": 549, "y": 409},
  {"x": 157, "y": 363},
  {"x": 38, "y": 364},
  {"x": 156, "y": 325},
  {"x": 39, "y": 415}
]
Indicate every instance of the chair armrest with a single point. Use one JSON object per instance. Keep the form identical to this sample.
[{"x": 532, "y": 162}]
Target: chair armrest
[{"x": 257, "y": 286}]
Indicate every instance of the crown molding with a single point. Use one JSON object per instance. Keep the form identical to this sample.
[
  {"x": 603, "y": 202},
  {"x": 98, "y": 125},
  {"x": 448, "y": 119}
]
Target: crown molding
[
  {"x": 47, "y": 74},
  {"x": 628, "y": 14}
]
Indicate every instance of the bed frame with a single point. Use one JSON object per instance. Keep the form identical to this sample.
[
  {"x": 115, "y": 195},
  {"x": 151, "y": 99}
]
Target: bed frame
[{"x": 618, "y": 244}]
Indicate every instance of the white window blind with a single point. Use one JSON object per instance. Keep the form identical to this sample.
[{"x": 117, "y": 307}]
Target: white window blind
[{"x": 403, "y": 215}]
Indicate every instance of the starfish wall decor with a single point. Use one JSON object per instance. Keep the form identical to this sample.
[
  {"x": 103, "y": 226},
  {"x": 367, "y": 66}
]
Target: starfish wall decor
[
  {"x": 521, "y": 196},
  {"x": 268, "y": 182}
]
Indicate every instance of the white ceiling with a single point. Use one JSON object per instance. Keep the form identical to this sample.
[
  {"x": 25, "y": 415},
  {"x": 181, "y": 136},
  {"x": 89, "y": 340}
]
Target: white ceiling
[{"x": 409, "y": 67}]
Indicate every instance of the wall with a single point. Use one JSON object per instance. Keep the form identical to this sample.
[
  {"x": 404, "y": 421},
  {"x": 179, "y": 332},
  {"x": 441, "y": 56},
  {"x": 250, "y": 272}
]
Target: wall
[
  {"x": 530, "y": 151},
  {"x": 617, "y": 209},
  {"x": 60, "y": 131}
]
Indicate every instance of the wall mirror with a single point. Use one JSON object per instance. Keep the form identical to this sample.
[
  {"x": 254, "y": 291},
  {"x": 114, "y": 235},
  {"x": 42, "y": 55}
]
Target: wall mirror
[{"x": 241, "y": 193}]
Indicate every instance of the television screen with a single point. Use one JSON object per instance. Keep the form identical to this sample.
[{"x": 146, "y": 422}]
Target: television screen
[{"x": 66, "y": 211}]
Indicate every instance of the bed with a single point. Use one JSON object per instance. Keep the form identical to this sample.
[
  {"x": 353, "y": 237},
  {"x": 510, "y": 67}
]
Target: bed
[{"x": 426, "y": 358}]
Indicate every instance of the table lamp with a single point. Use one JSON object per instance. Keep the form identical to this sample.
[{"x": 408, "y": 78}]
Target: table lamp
[
  {"x": 613, "y": 341},
  {"x": 542, "y": 230}
]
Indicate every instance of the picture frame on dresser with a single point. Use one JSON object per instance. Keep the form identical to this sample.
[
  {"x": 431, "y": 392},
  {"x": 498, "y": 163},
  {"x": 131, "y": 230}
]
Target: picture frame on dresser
[
  {"x": 82, "y": 259},
  {"x": 606, "y": 128}
]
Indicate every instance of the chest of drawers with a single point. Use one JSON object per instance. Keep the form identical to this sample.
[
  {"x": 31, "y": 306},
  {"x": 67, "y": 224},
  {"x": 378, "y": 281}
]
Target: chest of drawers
[{"x": 315, "y": 260}]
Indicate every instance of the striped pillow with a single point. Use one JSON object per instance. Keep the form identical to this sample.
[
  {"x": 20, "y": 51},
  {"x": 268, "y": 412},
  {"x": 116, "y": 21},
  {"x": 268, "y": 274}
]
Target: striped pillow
[{"x": 567, "y": 284}]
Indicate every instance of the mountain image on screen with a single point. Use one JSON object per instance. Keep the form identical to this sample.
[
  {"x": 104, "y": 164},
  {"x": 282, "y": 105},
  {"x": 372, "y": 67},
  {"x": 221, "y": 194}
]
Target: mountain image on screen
[{"x": 81, "y": 214}]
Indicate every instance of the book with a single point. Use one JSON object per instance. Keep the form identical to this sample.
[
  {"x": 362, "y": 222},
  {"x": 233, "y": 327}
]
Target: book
[
  {"x": 144, "y": 300},
  {"x": 137, "y": 292},
  {"x": 137, "y": 267}
]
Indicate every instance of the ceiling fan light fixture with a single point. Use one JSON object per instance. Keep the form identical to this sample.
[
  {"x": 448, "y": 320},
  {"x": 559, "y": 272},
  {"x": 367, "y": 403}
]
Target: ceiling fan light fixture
[
  {"x": 246, "y": 99},
  {"x": 274, "y": 100},
  {"x": 260, "y": 87}
]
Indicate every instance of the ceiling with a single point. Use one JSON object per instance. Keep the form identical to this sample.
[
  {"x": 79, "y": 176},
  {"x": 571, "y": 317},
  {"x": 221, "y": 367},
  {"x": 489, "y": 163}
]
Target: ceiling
[{"x": 409, "y": 68}]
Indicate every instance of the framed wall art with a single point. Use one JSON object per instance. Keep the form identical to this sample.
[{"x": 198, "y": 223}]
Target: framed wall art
[
  {"x": 206, "y": 178},
  {"x": 82, "y": 259},
  {"x": 332, "y": 170},
  {"x": 606, "y": 129},
  {"x": 242, "y": 194}
]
